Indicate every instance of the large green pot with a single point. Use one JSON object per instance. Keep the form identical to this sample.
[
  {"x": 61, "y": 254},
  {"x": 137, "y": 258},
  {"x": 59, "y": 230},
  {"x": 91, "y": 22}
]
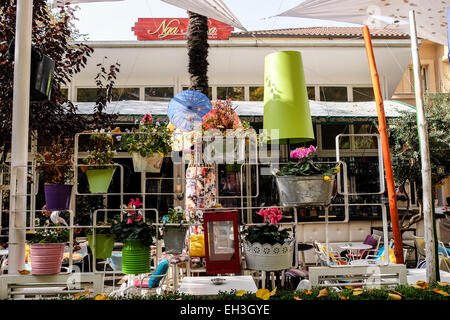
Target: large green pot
[
  {"x": 135, "y": 257},
  {"x": 104, "y": 245},
  {"x": 100, "y": 179}
]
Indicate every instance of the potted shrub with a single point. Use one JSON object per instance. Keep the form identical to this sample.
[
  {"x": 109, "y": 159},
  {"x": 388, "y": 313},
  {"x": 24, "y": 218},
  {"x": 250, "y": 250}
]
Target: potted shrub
[
  {"x": 148, "y": 145},
  {"x": 174, "y": 235},
  {"x": 101, "y": 155},
  {"x": 137, "y": 236},
  {"x": 267, "y": 247},
  {"x": 102, "y": 240},
  {"x": 47, "y": 249},
  {"x": 306, "y": 181},
  {"x": 223, "y": 123},
  {"x": 56, "y": 166}
]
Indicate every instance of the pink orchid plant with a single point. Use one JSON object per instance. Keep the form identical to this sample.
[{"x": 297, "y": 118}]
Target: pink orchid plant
[
  {"x": 133, "y": 225},
  {"x": 269, "y": 232},
  {"x": 306, "y": 165},
  {"x": 272, "y": 214}
]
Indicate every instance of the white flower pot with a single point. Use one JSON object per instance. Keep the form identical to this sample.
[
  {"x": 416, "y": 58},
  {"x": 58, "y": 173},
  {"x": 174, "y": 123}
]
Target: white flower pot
[
  {"x": 151, "y": 163},
  {"x": 268, "y": 257}
]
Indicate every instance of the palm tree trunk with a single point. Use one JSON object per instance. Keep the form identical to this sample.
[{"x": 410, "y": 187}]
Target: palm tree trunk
[{"x": 197, "y": 45}]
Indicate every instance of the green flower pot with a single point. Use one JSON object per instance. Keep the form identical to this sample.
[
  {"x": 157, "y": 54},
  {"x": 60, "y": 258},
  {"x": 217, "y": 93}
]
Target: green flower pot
[
  {"x": 104, "y": 245},
  {"x": 100, "y": 179},
  {"x": 135, "y": 257}
]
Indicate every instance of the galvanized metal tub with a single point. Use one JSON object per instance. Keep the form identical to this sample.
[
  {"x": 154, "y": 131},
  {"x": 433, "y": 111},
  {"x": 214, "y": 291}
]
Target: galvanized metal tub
[{"x": 297, "y": 191}]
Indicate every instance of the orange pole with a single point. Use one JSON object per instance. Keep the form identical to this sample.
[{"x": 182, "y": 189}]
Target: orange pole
[{"x": 398, "y": 246}]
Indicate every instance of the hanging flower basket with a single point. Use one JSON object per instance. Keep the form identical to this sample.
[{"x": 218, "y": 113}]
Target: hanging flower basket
[
  {"x": 135, "y": 257},
  {"x": 99, "y": 179},
  {"x": 297, "y": 191},
  {"x": 267, "y": 257},
  {"x": 174, "y": 239},
  {"x": 46, "y": 258},
  {"x": 57, "y": 196},
  {"x": 151, "y": 163}
]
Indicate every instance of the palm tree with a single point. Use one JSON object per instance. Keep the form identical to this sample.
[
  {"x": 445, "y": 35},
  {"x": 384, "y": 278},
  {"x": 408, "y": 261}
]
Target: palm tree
[{"x": 197, "y": 45}]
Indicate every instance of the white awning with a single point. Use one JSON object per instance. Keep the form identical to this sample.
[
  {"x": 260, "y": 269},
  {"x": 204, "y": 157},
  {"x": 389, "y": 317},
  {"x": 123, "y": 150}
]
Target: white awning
[
  {"x": 319, "y": 109},
  {"x": 431, "y": 15}
]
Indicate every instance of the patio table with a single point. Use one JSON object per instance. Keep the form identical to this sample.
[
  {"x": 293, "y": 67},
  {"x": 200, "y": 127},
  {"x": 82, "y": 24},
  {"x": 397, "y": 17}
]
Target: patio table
[
  {"x": 354, "y": 248},
  {"x": 203, "y": 285}
]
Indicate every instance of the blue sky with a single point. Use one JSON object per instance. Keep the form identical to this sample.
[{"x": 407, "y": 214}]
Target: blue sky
[{"x": 113, "y": 20}]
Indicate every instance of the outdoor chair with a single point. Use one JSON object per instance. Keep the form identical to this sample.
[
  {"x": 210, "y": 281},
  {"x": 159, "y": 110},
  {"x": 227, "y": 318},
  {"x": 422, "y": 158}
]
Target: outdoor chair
[
  {"x": 330, "y": 258},
  {"x": 145, "y": 283}
]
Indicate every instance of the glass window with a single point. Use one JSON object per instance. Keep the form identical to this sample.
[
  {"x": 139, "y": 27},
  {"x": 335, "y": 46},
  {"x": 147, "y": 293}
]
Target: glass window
[
  {"x": 120, "y": 94},
  {"x": 209, "y": 92},
  {"x": 87, "y": 94},
  {"x": 158, "y": 93},
  {"x": 256, "y": 93},
  {"x": 335, "y": 94},
  {"x": 311, "y": 93},
  {"x": 65, "y": 92},
  {"x": 424, "y": 75},
  {"x": 363, "y": 94},
  {"x": 233, "y": 93},
  {"x": 329, "y": 133},
  {"x": 365, "y": 142}
]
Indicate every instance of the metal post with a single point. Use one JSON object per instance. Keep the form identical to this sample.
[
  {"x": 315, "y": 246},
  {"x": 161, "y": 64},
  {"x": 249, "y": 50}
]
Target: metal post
[
  {"x": 398, "y": 246},
  {"x": 19, "y": 142},
  {"x": 422, "y": 126}
]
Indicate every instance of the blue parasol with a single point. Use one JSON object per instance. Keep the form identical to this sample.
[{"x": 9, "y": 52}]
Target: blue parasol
[{"x": 187, "y": 108}]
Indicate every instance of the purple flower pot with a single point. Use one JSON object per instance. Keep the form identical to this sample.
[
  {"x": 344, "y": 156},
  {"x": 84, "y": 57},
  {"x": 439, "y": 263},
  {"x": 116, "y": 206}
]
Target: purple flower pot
[{"x": 57, "y": 196}]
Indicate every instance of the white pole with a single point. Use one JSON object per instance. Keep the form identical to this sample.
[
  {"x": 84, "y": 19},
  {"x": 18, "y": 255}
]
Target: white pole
[
  {"x": 19, "y": 142},
  {"x": 422, "y": 125}
]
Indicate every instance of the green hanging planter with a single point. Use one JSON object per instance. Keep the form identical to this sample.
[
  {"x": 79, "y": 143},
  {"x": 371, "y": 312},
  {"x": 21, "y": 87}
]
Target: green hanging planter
[
  {"x": 104, "y": 245},
  {"x": 135, "y": 257},
  {"x": 100, "y": 179}
]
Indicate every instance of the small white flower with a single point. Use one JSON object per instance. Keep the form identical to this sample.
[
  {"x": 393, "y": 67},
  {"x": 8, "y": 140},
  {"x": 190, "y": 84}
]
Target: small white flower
[{"x": 119, "y": 138}]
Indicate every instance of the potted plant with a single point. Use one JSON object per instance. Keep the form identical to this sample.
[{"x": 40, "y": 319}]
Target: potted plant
[
  {"x": 174, "y": 235},
  {"x": 137, "y": 236},
  {"x": 148, "y": 145},
  {"x": 101, "y": 155},
  {"x": 47, "y": 249},
  {"x": 267, "y": 247},
  {"x": 55, "y": 165},
  {"x": 223, "y": 123},
  {"x": 102, "y": 240},
  {"x": 306, "y": 181}
]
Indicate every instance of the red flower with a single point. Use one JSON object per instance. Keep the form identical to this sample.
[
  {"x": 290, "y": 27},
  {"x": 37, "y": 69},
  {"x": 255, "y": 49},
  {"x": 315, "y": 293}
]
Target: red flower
[
  {"x": 136, "y": 203},
  {"x": 147, "y": 118},
  {"x": 129, "y": 221}
]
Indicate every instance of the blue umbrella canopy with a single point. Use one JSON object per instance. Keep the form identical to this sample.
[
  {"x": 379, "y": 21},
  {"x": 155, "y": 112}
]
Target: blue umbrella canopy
[{"x": 187, "y": 108}]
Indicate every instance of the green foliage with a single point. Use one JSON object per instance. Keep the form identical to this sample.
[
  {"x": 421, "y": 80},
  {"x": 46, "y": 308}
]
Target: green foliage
[
  {"x": 151, "y": 137},
  {"x": 381, "y": 294},
  {"x": 108, "y": 223},
  {"x": 55, "y": 163},
  {"x": 175, "y": 215},
  {"x": 404, "y": 142},
  {"x": 137, "y": 230},
  {"x": 266, "y": 233},
  {"x": 51, "y": 235},
  {"x": 102, "y": 149},
  {"x": 52, "y": 34},
  {"x": 307, "y": 168},
  {"x": 133, "y": 226}
]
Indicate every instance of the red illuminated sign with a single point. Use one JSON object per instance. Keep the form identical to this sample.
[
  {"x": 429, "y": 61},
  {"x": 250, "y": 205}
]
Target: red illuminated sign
[{"x": 176, "y": 29}]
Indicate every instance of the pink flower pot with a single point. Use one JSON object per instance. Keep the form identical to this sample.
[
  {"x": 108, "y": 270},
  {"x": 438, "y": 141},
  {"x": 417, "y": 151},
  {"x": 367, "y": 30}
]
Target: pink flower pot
[{"x": 46, "y": 258}]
